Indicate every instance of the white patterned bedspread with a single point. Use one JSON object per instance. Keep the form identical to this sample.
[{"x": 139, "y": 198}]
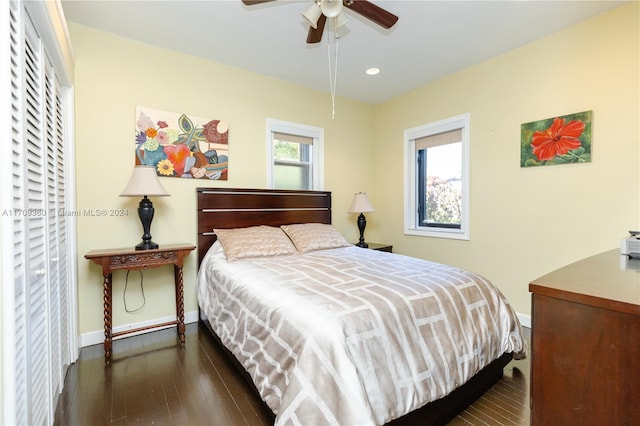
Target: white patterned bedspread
[{"x": 351, "y": 336}]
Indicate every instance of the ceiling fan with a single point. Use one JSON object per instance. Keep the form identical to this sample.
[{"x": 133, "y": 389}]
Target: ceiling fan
[{"x": 320, "y": 10}]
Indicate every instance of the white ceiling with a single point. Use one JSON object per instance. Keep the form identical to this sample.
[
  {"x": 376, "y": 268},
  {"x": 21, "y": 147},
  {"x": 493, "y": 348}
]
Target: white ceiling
[{"x": 430, "y": 40}]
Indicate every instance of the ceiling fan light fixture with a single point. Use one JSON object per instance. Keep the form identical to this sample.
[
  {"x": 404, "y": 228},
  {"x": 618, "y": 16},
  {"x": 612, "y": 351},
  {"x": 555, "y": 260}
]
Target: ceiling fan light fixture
[
  {"x": 312, "y": 14},
  {"x": 331, "y": 8},
  {"x": 339, "y": 21}
]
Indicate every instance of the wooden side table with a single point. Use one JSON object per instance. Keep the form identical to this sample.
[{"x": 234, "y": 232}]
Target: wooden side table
[
  {"x": 131, "y": 259},
  {"x": 380, "y": 247}
]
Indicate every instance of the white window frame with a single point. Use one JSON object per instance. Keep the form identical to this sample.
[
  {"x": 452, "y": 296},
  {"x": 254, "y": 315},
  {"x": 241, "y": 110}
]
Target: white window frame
[
  {"x": 411, "y": 226},
  {"x": 317, "y": 149}
]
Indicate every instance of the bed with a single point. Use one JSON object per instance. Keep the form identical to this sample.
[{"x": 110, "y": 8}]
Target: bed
[{"x": 329, "y": 333}]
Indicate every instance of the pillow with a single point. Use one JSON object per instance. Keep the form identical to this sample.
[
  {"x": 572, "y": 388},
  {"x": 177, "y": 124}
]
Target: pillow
[
  {"x": 254, "y": 241},
  {"x": 314, "y": 236}
]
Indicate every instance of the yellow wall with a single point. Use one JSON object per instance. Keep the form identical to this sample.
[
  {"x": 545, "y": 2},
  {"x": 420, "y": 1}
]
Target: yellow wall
[
  {"x": 113, "y": 76},
  {"x": 526, "y": 222}
]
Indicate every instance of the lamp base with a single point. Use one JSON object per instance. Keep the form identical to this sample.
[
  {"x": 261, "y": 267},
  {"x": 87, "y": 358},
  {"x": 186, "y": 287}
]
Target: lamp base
[
  {"x": 146, "y": 211},
  {"x": 362, "y": 223},
  {"x": 147, "y": 245}
]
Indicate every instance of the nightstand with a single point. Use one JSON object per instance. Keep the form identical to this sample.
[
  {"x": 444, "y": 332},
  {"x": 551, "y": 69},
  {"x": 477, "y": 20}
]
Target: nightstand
[
  {"x": 131, "y": 259},
  {"x": 380, "y": 247}
]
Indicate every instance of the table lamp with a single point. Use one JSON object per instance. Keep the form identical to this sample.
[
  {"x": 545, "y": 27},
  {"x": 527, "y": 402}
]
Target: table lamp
[
  {"x": 361, "y": 205},
  {"x": 144, "y": 182}
]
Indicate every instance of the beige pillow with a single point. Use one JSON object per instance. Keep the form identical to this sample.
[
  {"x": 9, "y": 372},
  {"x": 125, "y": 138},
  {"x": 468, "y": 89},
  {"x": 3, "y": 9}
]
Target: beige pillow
[
  {"x": 255, "y": 241},
  {"x": 314, "y": 236}
]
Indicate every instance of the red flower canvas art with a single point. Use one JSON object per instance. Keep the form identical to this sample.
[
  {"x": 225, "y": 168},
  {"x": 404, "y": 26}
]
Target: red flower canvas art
[{"x": 558, "y": 140}]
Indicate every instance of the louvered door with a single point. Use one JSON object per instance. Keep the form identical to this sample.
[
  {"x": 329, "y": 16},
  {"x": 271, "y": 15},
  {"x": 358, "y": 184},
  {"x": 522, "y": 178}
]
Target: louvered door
[
  {"x": 34, "y": 127},
  {"x": 40, "y": 340},
  {"x": 57, "y": 283},
  {"x": 15, "y": 339}
]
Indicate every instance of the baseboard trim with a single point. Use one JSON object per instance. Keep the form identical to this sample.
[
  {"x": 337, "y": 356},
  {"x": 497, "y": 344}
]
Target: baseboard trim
[
  {"x": 97, "y": 337},
  {"x": 525, "y": 320}
]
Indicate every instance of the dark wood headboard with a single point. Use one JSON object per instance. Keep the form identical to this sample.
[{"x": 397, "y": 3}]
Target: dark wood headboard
[{"x": 239, "y": 208}]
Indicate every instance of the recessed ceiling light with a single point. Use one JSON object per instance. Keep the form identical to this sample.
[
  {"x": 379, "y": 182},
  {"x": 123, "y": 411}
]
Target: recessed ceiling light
[{"x": 373, "y": 71}]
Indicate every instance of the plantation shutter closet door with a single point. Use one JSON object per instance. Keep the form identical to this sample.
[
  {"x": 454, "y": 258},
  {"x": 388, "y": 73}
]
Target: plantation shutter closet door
[{"x": 38, "y": 238}]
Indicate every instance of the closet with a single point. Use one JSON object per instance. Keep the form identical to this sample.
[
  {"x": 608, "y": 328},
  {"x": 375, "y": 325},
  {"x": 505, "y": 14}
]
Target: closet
[{"x": 38, "y": 227}]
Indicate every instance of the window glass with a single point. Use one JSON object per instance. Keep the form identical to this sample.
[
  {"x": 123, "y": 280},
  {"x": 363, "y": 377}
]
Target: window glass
[
  {"x": 439, "y": 185},
  {"x": 292, "y": 162},
  {"x": 295, "y": 156},
  {"x": 436, "y": 202}
]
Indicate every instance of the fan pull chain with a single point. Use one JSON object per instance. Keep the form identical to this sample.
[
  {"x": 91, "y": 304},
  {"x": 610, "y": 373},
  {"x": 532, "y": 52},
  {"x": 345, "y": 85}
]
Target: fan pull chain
[{"x": 333, "y": 77}]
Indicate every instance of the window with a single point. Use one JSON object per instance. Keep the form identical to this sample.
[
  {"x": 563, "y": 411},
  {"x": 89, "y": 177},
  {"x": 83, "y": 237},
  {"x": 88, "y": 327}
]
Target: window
[
  {"x": 295, "y": 156},
  {"x": 437, "y": 179}
]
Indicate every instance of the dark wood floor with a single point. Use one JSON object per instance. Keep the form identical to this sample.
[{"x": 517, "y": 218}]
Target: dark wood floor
[{"x": 154, "y": 381}]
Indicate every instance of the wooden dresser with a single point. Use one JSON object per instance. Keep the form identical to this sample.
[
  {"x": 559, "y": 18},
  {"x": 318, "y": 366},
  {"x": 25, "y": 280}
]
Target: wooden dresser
[{"x": 585, "y": 344}]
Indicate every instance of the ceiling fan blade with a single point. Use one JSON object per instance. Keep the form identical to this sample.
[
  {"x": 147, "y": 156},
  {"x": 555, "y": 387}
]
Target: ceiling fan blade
[
  {"x": 372, "y": 12},
  {"x": 315, "y": 34},
  {"x": 252, "y": 2}
]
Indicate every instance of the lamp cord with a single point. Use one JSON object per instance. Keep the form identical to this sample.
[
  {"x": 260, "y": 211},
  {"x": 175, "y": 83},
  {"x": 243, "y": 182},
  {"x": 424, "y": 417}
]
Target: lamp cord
[
  {"x": 333, "y": 77},
  {"x": 124, "y": 294}
]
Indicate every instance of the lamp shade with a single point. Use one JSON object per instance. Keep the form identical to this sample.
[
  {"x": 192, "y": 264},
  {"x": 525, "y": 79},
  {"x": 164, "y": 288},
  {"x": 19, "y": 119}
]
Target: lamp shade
[
  {"x": 312, "y": 14},
  {"x": 144, "y": 181},
  {"x": 339, "y": 21},
  {"x": 361, "y": 204}
]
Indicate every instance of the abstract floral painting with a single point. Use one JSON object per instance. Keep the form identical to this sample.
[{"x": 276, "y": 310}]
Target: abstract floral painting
[
  {"x": 182, "y": 146},
  {"x": 557, "y": 140}
]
